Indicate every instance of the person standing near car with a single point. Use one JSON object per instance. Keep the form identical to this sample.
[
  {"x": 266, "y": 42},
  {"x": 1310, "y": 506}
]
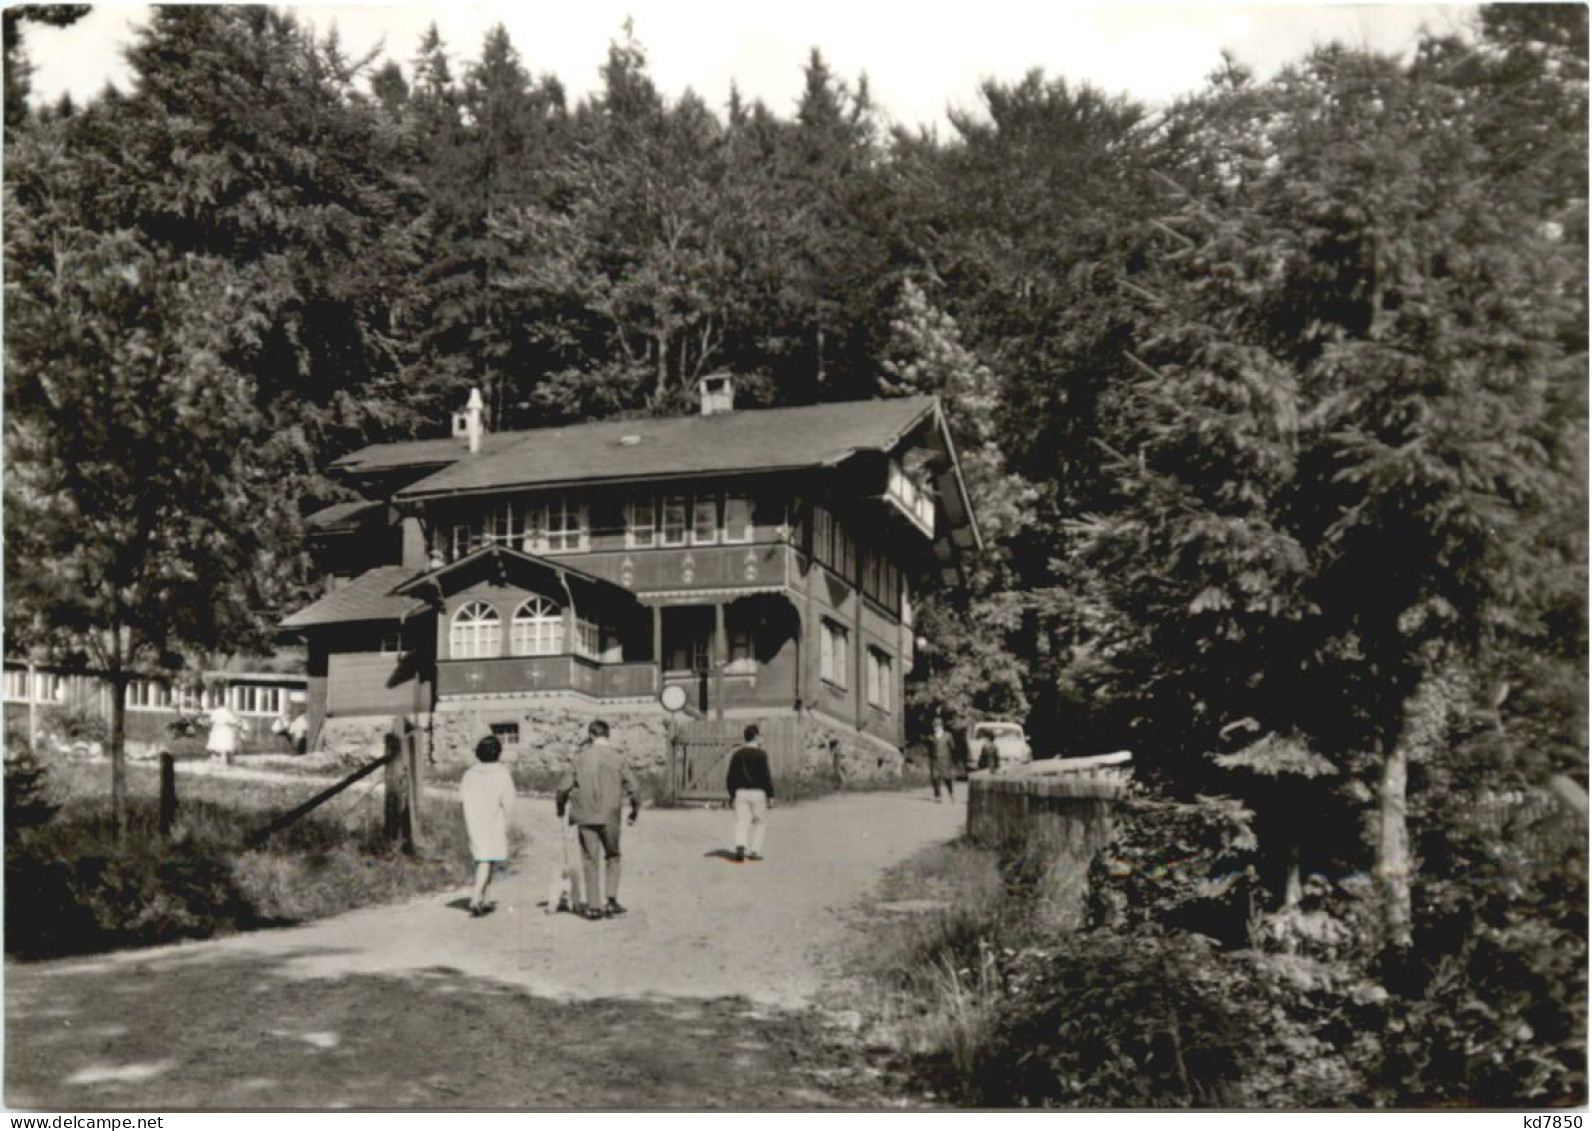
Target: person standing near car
[
  {"x": 594, "y": 789},
  {"x": 751, "y": 788},
  {"x": 942, "y": 755},
  {"x": 989, "y": 755}
]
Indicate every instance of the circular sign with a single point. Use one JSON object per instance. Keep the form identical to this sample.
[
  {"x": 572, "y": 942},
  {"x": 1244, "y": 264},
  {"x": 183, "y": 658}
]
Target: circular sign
[{"x": 672, "y": 697}]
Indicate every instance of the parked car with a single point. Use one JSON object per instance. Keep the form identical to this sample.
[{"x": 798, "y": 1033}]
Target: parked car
[{"x": 1009, "y": 738}]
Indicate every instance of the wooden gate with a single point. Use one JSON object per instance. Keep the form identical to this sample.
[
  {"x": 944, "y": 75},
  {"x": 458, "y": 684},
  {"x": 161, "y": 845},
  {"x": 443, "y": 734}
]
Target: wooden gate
[{"x": 700, "y": 756}]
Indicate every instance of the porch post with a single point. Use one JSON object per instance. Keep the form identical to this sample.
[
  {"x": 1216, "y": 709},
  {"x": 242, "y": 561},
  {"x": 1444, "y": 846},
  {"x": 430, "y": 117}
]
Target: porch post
[
  {"x": 721, "y": 652},
  {"x": 657, "y": 648},
  {"x": 859, "y": 677},
  {"x": 33, "y": 711}
]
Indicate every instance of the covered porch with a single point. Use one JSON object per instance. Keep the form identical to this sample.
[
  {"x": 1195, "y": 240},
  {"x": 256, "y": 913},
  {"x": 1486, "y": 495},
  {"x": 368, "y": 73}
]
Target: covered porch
[{"x": 729, "y": 650}]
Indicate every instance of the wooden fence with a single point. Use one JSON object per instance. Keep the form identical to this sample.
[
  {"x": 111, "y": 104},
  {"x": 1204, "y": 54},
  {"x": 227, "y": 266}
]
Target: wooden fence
[
  {"x": 700, "y": 750},
  {"x": 1023, "y": 815}
]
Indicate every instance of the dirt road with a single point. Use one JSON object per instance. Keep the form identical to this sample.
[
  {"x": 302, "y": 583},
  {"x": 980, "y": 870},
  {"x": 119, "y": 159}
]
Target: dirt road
[{"x": 698, "y": 998}]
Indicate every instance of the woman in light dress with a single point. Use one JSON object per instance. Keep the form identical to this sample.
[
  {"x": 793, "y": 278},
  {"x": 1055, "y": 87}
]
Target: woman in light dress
[{"x": 487, "y": 791}]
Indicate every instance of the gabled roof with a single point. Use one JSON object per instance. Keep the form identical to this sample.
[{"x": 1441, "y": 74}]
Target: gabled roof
[
  {"x": 499, "y": 559},
  {"x": 778, "y": 439},
  {"x": 366, "y": 598}
]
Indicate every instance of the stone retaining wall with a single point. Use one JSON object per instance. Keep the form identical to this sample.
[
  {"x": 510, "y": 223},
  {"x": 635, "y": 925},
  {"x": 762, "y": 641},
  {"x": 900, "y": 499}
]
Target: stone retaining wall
[{"x": 1021, "y": 816}]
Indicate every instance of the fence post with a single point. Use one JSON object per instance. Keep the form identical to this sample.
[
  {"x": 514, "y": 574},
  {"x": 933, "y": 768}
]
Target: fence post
[
  {"x": 392, "y": 787},
  {"x": 671, "y": 767},
  {"x": 411, "y": 741},
  {"x": 168, "y": 793}
]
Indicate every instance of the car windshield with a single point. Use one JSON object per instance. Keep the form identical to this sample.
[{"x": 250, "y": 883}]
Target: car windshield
[{"x": 998, "y": 730}]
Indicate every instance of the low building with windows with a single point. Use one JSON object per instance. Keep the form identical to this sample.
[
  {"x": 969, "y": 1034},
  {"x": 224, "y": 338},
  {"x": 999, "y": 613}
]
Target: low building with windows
[
  {"x": 763, "y": 561},
  {"x": 38, "y": 695}
]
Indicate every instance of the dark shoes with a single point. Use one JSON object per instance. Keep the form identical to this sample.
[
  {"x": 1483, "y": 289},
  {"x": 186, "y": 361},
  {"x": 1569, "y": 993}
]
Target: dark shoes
[
  {"x": 479, "y": 909},
  {"x": 755, "y": 856},
  {"x": 613, "y": 910},
  {"x": 740, "y": 855},
  {"x": 591, "y": 913}
]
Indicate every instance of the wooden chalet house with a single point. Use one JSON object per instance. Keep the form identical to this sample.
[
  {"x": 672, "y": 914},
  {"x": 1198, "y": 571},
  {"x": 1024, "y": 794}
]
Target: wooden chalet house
[{"x": 765, "y": 561}]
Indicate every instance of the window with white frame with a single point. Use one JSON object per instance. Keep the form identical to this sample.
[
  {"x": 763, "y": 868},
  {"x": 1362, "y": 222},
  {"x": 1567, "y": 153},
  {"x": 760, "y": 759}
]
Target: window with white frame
[
  {"x": 147, "y": 695},
  {"x": 391, "y": 643},
  {"x": 466, "y": 539},
  {"x": 705, "y": 520},
  {"x": 641, "y": 523},
  {"x": 507, "y": 733},
  {"x": 17, "y": 685},
  {"x": 566, "y": 526},
  {"x": 588, "y": 639},
  {"x": 832, "y": 544},
  {"x": 252, "y": 699},
  {"x": 737, "y": 518},
  {"x": 476, "y": 632},
  {"x": 675, "y": 510},
  {"x": 538, "y": 629},
  {"x": 879, "y": 675},
  {"x": 832, "y": 652},
  {"x": 504, "y": 525}
]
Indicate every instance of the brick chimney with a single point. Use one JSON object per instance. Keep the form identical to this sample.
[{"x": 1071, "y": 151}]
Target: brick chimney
[{"x": 718, "y": 393}]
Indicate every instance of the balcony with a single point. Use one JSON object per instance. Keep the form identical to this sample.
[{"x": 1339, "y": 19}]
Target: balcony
[
  {"x": 519, "y": 675},
  {"x": 911, "y": 500},
  {"x": 684, "y": 569}
]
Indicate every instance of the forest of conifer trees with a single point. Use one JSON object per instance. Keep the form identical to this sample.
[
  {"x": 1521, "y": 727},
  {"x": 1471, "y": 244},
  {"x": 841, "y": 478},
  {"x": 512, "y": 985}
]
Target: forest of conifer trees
[{"x": 1272, "y": 403}]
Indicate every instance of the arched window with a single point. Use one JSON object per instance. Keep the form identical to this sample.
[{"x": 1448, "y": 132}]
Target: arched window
[
  {"x": 538, "y": 629},
  {"x": 477, "y": 632}
]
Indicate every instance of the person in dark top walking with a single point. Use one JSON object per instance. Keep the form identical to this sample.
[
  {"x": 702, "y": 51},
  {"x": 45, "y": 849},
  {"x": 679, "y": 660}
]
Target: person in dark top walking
[
  {"x": 751, "y": 787},
  {"x": 942, "y": 752}
]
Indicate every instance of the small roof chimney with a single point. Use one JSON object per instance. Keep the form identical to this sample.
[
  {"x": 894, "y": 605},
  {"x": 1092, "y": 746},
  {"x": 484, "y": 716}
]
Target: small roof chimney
[
  {"x": 471, "y": 423},
  {"x": 718, "y": 393}
]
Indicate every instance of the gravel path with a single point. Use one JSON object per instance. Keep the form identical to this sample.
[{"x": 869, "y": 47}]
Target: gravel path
[{"x": 419, "y": 1005}]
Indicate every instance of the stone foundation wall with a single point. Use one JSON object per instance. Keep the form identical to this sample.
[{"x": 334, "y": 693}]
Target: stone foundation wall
[
  {"x": 551, "y": 730},
  {"x": 847, "y": 757}
]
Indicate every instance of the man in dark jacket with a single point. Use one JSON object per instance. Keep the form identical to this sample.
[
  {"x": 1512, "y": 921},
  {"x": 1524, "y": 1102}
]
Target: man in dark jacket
[{"x": 751, "y": 787}]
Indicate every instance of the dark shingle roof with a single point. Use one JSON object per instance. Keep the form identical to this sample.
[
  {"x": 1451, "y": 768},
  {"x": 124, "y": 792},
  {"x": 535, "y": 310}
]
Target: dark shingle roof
[
  {"x": 379, "y": 458},
  {"x": 744, "y": 440},
  {"x": 342, "y": 516},
  {"x": 367, "y": 597}
]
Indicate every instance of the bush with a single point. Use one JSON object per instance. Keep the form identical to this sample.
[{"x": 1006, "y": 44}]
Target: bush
[{"x": 1174, "y": 866}]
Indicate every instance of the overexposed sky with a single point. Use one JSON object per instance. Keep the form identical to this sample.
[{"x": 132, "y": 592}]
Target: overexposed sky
[{"x": 920, "y": 58}]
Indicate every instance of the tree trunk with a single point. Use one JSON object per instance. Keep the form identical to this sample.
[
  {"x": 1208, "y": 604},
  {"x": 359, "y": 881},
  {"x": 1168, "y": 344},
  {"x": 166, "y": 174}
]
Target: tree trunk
[
  {"x": 1422, "y": 727},
  {"x": 118, "y": 753},
  {"x": 1393, "y": 843}
]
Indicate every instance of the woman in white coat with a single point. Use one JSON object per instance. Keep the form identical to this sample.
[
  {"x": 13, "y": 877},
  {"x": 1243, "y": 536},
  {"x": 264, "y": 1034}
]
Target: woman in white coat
[{"x": 487, "y": 791}]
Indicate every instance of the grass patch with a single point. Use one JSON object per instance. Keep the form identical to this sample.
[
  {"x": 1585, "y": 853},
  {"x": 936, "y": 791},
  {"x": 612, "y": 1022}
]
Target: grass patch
[
  {"x": 930, "y": 972},
  {"x": 72, "y": 890},
  {"x": 950, "y": 949}
]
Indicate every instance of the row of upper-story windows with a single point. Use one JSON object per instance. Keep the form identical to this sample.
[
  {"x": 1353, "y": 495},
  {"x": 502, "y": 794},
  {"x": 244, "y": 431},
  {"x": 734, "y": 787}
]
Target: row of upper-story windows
[{"x": 563, "y": 524}]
